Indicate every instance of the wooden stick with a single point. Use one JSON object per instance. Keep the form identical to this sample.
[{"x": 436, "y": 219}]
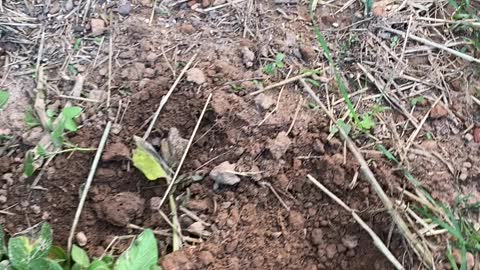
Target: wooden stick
[
  {"x": 421, "y": 250},
  {"x": 88, "y": 183},
  {"x": 167, "y": 96},
  {"x": 376, "y": 240}
]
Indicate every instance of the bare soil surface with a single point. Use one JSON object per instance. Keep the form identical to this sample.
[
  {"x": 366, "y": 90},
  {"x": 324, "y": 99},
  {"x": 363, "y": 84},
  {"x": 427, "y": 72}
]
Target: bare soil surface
[{"x": 273, "y": 218}]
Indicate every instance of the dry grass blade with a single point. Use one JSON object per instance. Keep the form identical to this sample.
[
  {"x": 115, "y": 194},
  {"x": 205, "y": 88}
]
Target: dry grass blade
[
  {"x": 422, "y": 251},
  {"x": 88, "y": 183},
  {"x": 376, "y": 240},
  {"x": 286, "y": 81}
]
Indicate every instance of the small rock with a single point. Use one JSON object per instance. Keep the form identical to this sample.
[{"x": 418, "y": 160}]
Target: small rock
[
  {"x": 457, "y": 255},
  {"x": 317, "y": 236},
  {"x": 248, "y": 57},
  {"x": 187, "y": 28},
  {"x": 335, "y": 24},
  {"x": 438, "y": 111},
  {"x": 331, "y": 251},
  {"x": 469, "y": 137},
  {"x": 205, "y": 258},
  {"x": 116, "y": 151},
  {"x": 350, "y": 241},
  {"x": 196, "y": 75},
  {"x": 296, "y": 220},
  {"x": 467, "y": 165},
  {"x": 68, "y": 5},
  {"x": 476, "y": 135},
  {"x": 124, "y": 8},
  {"x": 308, "y": 54},
  {"x": 279, "y": 146},
  {"x": 196, "y": 228},
  {"x": 463, "y": 176},
  {"x": 222, "y": 174},
  {"x": 36, "y": 209},
  {"x": 97, "y": 94},
  {"x": 264, "y": 101},
  {"x": 3, "y": 199},
  {"x": 97, "y": 26},
  {"x": 81, "y": 239}
]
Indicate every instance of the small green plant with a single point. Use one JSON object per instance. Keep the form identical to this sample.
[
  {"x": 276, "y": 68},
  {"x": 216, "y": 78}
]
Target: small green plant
[
  {"x": 78, "y": 44},
  {"x": 418, "y": 100},
  {"x": 271, "y": 68},
  {"x": 394, "y": 41},
  {"x": 4, "y": 96},
  {"x": 38, "y": 253}
]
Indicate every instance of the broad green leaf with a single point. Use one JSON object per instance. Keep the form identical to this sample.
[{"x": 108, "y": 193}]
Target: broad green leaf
[
  {"x": 80, "y": 256},
  {"x": 4, "y": 96},
  {"x": 57, "y": 254},
  {"x": 147, "y": 161},
  {"x": 22, "y": 251},
  {"x": 28, "y": 167},
  {"x": 98, "y": 265},
  {"x": 76, "y": 266},
  {"x": 109, "y": 260},
  {"x": 71, "y": 112},
  {"x": 142, "y": 254},
  {"x": 269, "y": 69},
  {"x": 44, "y": 264}
]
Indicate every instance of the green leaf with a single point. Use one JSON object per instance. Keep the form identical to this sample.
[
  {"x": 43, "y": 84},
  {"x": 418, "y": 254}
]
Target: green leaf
[
  {"x": 313, "y": 82},
  {"x": 57, "y": 134},
  {"x": 30, "y": 120},
  {"x": 98, "y": 265},
  {"x": 279, "y": 57},
  {"x": 4, "y": 96},
  {"x": 80, "y": 256},
  {"x": 69, "y": 114},
  {"x": 45, "y": 264},
  {"x": 24, "y": 252},
  {"x": 28, "y": 167},
  {"x": 146, "y": 159},
  {"x": 3, "y": 248},
  {"x": 417, "y": 100},
  {"x": 367, "y": 122},
  {"x": 41, "y": 151},
  {"x": 386, "y": 153},
  {"x": 108, "y": 260},
  {"x": 142, "y": 254},
  {"x": 78, "y": 43},
  {"x": 72, "y": 70},
  {"x": 269, "y": 69},
  {"x": 57, "y": 254}
]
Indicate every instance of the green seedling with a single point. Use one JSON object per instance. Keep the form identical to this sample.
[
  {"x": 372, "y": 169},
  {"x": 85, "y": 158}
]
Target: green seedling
[
  {"x": 418, "y": 100},
  {"x": 38, "y": 253},
  {"x": 368, "y": 7},
  {"x": 4, "y": 96},
  {"x": 30, "y": 119},
  {"x": 78, "y": 44},
  {"x": 235, "y": 88},
  {"x": 394, "y": 41},
  {"x": 429, "y": 136},
  {"x": 271, "y": 68},
  {"x": 72, "y": 70}
]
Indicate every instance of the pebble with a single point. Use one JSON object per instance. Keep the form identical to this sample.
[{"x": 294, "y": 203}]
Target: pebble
[
  {"x": 8, "y": 177},
  {"x": 124, "y": 8},
  {"x": 279, "y": 146},
  {"x": 350, "y": 241},
  {"x": 3, "y": 199},
  {"x": 248, "y": 57},
  {"x": 467, "y": 165},
  {"x": 468, "y": 137},
  {"x": 317, "y": 236},
  {"x": 438, "y": 111},
  {"x": 81, "y": 239},
  {"x": 308, "y": 54},
  {"x": 36, "y": 209},
  {"x": 221, "y": 174},
  {"x": 196, "y": 75},
  {"x": 463, "y": 176}
]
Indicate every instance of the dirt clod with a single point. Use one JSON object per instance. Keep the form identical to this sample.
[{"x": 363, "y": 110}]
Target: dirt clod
[
  {"x": 264, "y": 102},
  {"x": 222, "y": 174},
  {"x": 97, "y": 26},
  {"x": 438, "y": 111},
  {"x": 177, "y": 260},
  {"x": 350, "y": 241},
  {"x": 308, "y": 54},
  {"x": 206, "y": 258},
  {"x": 121, "y": 208},
  {"x": 248, "y": 57},
  {"x": 279, "y": 145},
  {"x": 196, "y": 75},
  {"x": 116, "y": 151},
  {"x": 317, "y": 236},
  {"x": 198, "y": 205},
  {"x": 331, "y": 251},
  {"x": 296, "y": 219}
]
